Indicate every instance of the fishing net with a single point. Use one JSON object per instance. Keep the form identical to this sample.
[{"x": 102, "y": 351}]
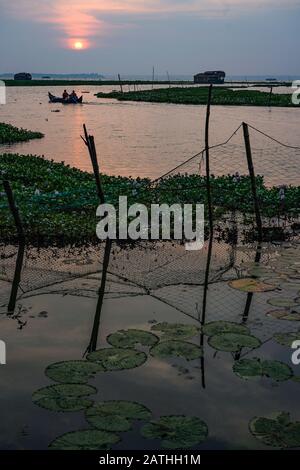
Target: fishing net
[{"x": 182, "y": 279}]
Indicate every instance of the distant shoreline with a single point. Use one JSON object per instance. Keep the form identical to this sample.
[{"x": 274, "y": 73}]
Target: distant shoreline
[{"x": 66, "y": 82}]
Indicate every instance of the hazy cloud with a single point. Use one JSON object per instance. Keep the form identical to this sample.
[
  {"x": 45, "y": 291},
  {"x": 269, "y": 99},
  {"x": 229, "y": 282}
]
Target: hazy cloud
[{"x": 85, "y": 19}]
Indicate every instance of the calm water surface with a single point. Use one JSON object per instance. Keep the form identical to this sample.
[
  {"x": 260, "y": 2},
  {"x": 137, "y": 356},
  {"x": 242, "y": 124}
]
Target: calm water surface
[{"x": 145, "y": 139}]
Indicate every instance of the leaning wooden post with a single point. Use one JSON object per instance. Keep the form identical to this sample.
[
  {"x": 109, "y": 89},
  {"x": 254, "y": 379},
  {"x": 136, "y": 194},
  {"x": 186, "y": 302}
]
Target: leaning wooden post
[
  {"x": 253, "y": 180},
  {"x": 270, "y": 95},
  {"x": 90, "y": 143},
  {"x": 208, "y": 185},
  {"x": 20, "y": 257},
  {"x": 14, "y": 210}
]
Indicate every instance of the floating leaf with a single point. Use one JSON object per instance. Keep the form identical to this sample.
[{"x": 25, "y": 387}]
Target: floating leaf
[
  {"x": 72, "y": 372},
  {"x": 284, "y": 315},
  {"x": 233, "y": 342},
  {"x": 66, "y": 397},
  {"x": 282, "y": 302},
  {"x": 172, "y": 348},
  {"x": 218, "y": 327},
  {"x": 286, "y": 339},
  {"x": 177, "y": 432},
  {"x": 177, "y": 331},
  {"x": 85, "y": 440},
  {"x": 247, "y": 368},
  {"x": 276, "y": 431},
  {"x": 116, "y": 415},
  {"x": 132, "y": 338},
  {"x": 251, "y": 285},
  {"x": 117, "y": 358}
]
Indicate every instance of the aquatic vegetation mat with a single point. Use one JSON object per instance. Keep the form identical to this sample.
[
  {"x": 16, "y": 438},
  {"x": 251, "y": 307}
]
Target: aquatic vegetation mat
[
  {"x": 132, "y": 338},
  {"x": 117, "y": 359},
  {"x": 249, "y": 368},
  {"x": 177, "y": 432},
  {"x": 116, "y": 416},
  {"x": 276, "y": 431},
  {"x": 89, "y": 439},
  {"x": 233, "y": 342},
  {"x": 66, "y": 397},
  {"x": 172, "y": 348},
  {"x": 73, "y": 372},
  {"x": 10, "y": 134}
]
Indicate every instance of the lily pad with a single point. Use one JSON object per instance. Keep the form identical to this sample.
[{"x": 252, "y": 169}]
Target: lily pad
[
  {"x": 89, "y": 439},
  {"x": 172, "y": 348},
  {"x": 72, "y": 372},
  {"x": 66, "y": 397},
  {"x": 284, "y": 315},
  {"x": 233, "y": 342},
  {"x": 276, "y": 431},
  {"x": 177, "y": 432},
  {"x": 286, "y": 339},
  {"x": 177, "y": 331},
  {"x": 117, "y": 358},
  {"x": 247, "y": 368},
  {"x": 251, "y": 285},
  {"x": 116, "y": 415},
  {"x": 283, "y": 302},
  {"x": 132, "y": 338},
  {"x": 218, "y": 327}
]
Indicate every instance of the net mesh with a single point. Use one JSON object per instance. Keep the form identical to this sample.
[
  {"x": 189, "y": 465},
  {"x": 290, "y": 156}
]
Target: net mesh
[{"x": 165, "y": 270}]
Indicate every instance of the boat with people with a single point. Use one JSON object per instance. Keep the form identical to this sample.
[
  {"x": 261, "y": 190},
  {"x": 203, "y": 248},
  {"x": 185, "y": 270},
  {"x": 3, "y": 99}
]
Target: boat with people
[{"x": 68, "y": 100}]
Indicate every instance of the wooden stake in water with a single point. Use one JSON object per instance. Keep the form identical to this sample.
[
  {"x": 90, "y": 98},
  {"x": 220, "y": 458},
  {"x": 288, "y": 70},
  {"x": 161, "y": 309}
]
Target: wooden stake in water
[
  {"x": 253, "y": 180},
  {"x": 90, "y": 143},
  {"x": 120, "y": 81},
  {"x": 208, "y": 185}
]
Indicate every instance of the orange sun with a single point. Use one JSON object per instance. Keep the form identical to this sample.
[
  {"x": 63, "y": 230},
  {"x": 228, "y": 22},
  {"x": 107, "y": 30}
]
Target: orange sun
[{"x": 78, "y": 45}]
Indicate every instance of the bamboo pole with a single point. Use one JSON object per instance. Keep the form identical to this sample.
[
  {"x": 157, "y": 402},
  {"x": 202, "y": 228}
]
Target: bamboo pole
[
  {"x": 121, "y": 86},
  {"x": 208, "y": 185},
  {"x": 14, "y": 210},
  {"x": 253, "y": 180},
  {"x": 90, "y": 143}
]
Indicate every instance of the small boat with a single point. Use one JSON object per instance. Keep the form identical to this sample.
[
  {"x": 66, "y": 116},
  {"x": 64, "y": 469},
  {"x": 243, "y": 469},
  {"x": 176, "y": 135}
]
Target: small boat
[{"x": 70, "y": 100}]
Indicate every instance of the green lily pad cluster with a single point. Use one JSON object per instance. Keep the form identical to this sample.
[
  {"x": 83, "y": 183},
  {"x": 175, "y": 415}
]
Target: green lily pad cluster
[
  {"x": 113, "y": 359},
  {"x": 10, "y": 134},
  {"x": 287, "y": 339},
  {"x": 177, "y": 432},
  {"x": 229, "y": 336},
  {"x": 177, "y": 331},
  {"x": 116, "y": 416},
  {"x": 276, "y": 431},
  {"x": 250, "y": 368},
  {"x": 132, "y": 338},
  {"x": 250, "y": 285},
  {"x": 64, "y": 397}
]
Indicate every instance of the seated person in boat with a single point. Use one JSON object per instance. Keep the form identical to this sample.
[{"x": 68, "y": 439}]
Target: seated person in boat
[
  {"x": 65, "y": 95},
  {"x": 73, "y": 95}
]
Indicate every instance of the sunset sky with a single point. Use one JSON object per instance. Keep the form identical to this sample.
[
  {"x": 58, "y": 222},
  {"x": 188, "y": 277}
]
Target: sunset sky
[{"x": 253, "y": 37}]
